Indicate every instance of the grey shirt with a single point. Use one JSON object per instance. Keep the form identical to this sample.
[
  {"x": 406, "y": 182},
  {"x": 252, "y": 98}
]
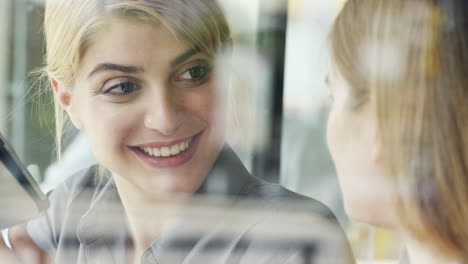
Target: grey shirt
[{"x": 245, "y": 221}]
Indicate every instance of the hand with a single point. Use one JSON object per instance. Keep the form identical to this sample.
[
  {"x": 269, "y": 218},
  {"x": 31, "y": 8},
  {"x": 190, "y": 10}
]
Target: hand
[
  {"x": 24, "y": 248},
  {"x": 6, "y": 255}
]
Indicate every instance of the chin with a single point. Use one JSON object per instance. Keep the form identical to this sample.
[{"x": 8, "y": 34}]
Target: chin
[
  {"x": 378, "y": 214},
  {"x": 166, "y": 192},
  {"x": 165, "y": 186}
]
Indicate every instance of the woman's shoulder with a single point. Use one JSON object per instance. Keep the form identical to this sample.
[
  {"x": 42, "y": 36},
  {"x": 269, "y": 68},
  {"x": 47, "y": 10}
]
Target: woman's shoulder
[
  {"x": 283, "y": 199},
  {"x": 86, "y": 183},
  {"x": 79, "y": 181},
  {"x": 295, "y": 223},
  {"x": 244, "y": 185},
  {"x": 68, "y": 202}
]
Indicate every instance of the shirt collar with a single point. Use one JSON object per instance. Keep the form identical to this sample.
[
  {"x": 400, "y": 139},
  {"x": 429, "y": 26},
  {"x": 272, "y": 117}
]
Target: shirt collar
[{"x": 105, "y": 220}]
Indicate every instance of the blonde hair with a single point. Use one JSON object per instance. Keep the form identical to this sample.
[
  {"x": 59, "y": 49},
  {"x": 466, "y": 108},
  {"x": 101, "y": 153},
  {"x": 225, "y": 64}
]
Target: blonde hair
[
  {"x": 70, "y": 26},
  {"x": 407, "y": 61}
]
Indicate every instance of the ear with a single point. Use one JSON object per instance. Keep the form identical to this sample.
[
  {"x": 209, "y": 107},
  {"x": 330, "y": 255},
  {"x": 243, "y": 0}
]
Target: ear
[{"x": 63, "y": 97}]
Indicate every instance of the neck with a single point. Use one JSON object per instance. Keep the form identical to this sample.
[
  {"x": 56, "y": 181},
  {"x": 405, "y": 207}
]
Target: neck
[
  {"x": 418, "y": 252},
  {"x": 147, "y": 216}
]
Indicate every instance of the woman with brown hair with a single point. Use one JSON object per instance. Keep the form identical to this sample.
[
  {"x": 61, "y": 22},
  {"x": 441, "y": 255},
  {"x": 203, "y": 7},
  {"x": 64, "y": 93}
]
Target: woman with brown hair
[{"x": 398, "y": 128}]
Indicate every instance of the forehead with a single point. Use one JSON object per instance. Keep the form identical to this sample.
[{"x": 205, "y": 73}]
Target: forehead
[{"x": 129, "y": 42}]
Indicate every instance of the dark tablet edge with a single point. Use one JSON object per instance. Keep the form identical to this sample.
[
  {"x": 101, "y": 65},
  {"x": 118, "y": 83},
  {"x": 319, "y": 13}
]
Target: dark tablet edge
[{"x": 21, "y": 174}]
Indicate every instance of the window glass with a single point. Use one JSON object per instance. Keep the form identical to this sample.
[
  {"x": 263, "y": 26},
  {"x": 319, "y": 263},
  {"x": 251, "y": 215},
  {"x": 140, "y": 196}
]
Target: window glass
[{"x": 283, "y": 143}]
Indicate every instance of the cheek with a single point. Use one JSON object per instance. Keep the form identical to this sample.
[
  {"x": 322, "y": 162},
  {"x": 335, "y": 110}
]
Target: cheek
[
  {"x": 369, "y": 200},
  {"x": 334, "y": 128},
  {"x": 365, "y": 189},
  {"x": 337, "y": 138},
  {"x": 207, "y": 105},
  {"x": 339, "y": 146},
  {"x": 108, "y": 125}
]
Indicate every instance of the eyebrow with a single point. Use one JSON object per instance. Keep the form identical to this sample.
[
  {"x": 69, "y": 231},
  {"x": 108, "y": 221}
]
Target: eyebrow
[
  {"x": 185, "y": 56},
  {"x": 115, "y": 67},
  {"x": 132, "y": 69}
]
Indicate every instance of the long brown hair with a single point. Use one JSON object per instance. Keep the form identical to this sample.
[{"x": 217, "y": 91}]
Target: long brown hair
[{"x": 408, "y": 60}]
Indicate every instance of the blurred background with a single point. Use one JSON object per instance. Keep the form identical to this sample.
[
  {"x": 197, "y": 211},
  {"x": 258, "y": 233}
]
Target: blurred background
[{"x": 280, "y": 63}]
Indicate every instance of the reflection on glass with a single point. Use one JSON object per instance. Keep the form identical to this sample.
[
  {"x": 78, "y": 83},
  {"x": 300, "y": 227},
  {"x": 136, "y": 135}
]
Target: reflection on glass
[{"x": 161, "y": 91}]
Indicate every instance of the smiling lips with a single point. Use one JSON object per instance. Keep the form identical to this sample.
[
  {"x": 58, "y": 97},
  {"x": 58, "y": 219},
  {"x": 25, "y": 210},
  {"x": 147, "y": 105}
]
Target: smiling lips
[
  {"x": 167, "y": 151},
  {"x": 167, "y": 155}
]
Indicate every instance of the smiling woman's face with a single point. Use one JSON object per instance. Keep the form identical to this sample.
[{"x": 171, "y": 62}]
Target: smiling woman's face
[{"x": 149, "y": 105}]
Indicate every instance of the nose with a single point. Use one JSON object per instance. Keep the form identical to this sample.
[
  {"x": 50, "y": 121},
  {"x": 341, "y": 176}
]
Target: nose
[{"x": 163, "y": 113}]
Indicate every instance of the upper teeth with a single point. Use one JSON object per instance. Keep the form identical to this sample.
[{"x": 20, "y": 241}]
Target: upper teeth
[{"x": 169, "y": 150}]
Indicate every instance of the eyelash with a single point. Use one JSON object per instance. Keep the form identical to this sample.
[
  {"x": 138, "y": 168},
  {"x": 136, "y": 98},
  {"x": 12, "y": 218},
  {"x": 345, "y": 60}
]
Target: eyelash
[
  {"x": 110, "y": 91},
  {"x": 203, "y": 69}
]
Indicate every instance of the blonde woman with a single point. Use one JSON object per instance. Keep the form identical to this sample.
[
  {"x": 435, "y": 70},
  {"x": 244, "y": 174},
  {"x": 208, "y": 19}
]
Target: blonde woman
[
  {"x": 140, "y": 79},
  {"x": 398, "y": 128}
]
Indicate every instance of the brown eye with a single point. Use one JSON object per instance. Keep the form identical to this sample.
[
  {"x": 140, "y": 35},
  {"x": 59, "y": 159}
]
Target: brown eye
[{"x": 195, "y": 73}]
